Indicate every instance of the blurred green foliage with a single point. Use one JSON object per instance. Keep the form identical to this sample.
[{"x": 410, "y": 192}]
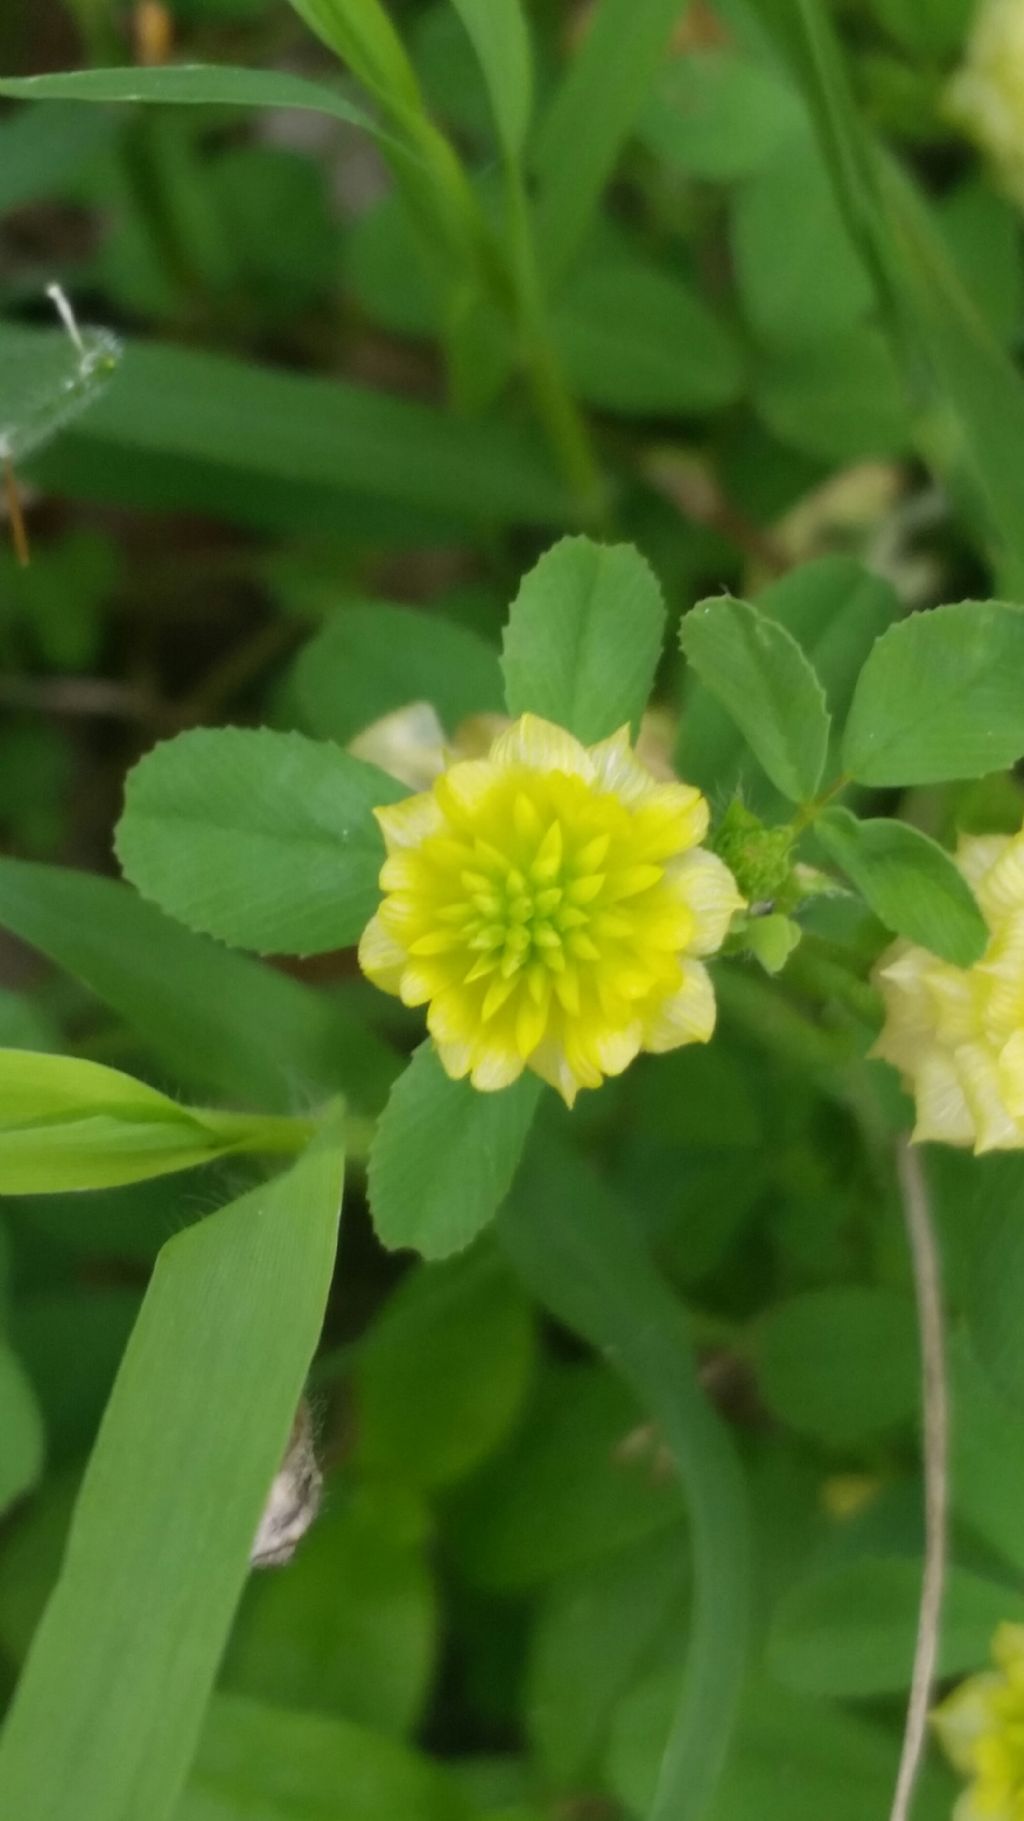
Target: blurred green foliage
[{"x": 681, "y": 277}]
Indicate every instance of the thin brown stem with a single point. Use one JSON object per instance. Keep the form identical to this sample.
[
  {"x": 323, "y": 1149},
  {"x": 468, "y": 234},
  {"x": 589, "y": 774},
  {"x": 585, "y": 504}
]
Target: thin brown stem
[
  {"x": 84, "y": 696},
  {"x": 19, "y": 530},
  {"x": 935, "y": 1429}
]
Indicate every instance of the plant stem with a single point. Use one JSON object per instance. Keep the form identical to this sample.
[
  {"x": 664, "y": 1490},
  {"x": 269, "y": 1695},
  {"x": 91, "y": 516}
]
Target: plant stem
[
  {"x": 268, "y": 1132},
  {"x": 935, "y": 1402},
  {"x": 557, "y": 409},
  {"x": 813, "y": 970},
  {"x": 809, "y": 811},
  {"x": 19, "y": 532}
]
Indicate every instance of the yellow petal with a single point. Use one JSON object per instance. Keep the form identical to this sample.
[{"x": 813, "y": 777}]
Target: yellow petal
[
  {"x": 994, "y": 1128},
  {"x": 943, "y": 1114},
  {"x": 1008, "y": 1647},
  {"x": 531, "y": 1023},
  {"x": 618, "y": 770},
  {"x": 614, "y": 1050},
  {"x": 420, "y": 982},
  {"x": 963, "y": 1717},
  {"x": 1010, "y": 1069},
  {"x": 381, "y": 958},
  {"x": 1001, "y": 890},
  {"x": 409, "y": 822},
  {"x": 496, "y": 1068},
  {"x": 456, "y": 1058},
  {"x": 687, "y": 1017},
  {"x": 452, "y": 1017},
  {"x": 672, "y": 819},
  {"x": 550, "y": 1062},
  {"x": 408, "y": 743},
  {"x": 976, "y": 855},
  {"x": 541, "y": 746},
  {"x": 709, "y": 889},
  {"x": 465, "y": 786}
]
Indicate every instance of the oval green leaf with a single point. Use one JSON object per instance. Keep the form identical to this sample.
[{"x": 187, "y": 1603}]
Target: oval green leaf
[
  {"x": 909, "y": 881},
  {"x": 839, "y": 1364},
  {"x": 266, "y": 840},
  {"x": 584, "y": 637},
  {"x": 444, "y": 1156},
  {"x": 849, "y": 1630},
  {"x": 762, "y": 679},
  {"x": 372, "y": 658},
  {"x": 940, "y": 697}
]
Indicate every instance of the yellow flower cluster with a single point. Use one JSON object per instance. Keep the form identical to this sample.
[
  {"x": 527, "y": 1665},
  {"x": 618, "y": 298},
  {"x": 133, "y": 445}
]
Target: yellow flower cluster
[
  {"x": 550, "y": 904},
  {"x": 986, "y": 96},
  {"x": 957, "y": 1034},
  {"x": 981, "y": 1728}
]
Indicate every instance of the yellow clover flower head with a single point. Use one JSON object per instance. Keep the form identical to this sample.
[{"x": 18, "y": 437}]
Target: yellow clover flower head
[
  {"x": 981, "y": 1729},
  {"x": 957, "y": 1034},
  {"x": 986, "y": 96},
  {"x": 550, "y": 904}
]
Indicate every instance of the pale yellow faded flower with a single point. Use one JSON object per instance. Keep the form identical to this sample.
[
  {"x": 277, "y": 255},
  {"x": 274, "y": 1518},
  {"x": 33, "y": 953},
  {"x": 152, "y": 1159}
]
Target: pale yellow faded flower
[
  {"x": 957, "y": 1034},
  {"x": 551, "y": 905},
  {"x": 981, "y": 1729},
  {"x": 986, "y": 96}
]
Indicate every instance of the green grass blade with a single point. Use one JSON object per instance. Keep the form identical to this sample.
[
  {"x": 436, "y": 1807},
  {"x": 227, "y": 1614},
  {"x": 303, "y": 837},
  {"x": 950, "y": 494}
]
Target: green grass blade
[
  {"x": 360, "y": 32},
  {"x": 591, "y": 118},
  {"x": 106, "y": 1717},
  {"x": 582, "y": 1257},
  {"x": 501, "y": 39},
  {"x": 216, "y": 1021},
  {"x": 197, "y": 84},
  {"x": 46, "y": 380},
  {"x": 181, "y": 427}
]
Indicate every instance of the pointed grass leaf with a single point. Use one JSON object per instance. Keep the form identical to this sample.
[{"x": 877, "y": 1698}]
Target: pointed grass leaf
[
  {"x": 848, "y": 1629},
  {"x": 106, "y": 1718},
  {"x": 217, "y": 1021},
  {"x": 198, "y": 84},
  {"x": 444, "y": 1156},
  {"x": 501, "y": 39},
  {"x": 265, "y": 840},
  {"x": 22, "y": 1436},
  {"x": 584, "y": 637},
  {"x": 360, "y": 32},
  {"x": 941, "y": 697},
  {"x": 762, "y": 679},
  {"x": 371, "y": 658},
  {"x": 183, "y": 427},
  {"x": 909, "y": 881},
  {"x": 70, "y": 1124},
  {"x": 591, "y": 117},
  {"x": 46, "y": 380}
]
